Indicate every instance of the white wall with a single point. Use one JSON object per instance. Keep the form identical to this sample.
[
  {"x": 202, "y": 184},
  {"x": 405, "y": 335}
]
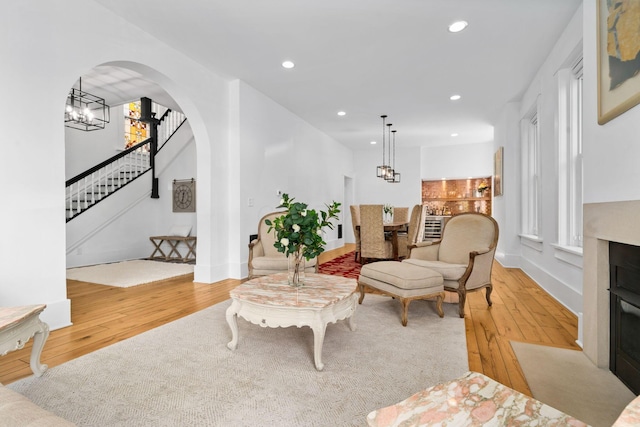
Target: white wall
[
  {"x": 457, "y": 161},
  {"x": 506, "y": 208},
  {"x": 86, "y": 149},
  {"x": 369, "y": 189},
  {"x": 275, "y": 150},
  {"x": 612, "y": 150},
  {"x": 43, "y": 67},
  {"x": 540, "y": 260}
]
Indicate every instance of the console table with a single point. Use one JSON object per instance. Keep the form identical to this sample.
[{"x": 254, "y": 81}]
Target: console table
[
  {"x": 17, "y": 326},
  {"x": 174, "y": 253},
  {"x": 269, "y": 301}
]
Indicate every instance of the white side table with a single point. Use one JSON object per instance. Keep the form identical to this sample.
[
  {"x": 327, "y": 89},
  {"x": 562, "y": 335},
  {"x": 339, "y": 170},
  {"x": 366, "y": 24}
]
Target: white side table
[
  {"x": 17, "y": 326},
  {"x": 269, "y": 301}
]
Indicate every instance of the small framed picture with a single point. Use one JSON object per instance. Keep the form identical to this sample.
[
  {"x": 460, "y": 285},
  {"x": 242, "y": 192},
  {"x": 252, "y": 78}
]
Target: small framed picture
[{"x": 498, "y": 172}]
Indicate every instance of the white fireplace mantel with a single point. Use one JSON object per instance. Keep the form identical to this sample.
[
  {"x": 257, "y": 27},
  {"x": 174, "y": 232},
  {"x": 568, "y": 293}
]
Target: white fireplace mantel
[{"x": 603, "y": 223}]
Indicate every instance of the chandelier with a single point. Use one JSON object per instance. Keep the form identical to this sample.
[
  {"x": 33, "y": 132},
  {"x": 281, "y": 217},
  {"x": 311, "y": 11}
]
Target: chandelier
[
  {"x": 85, "y": 111},
  {"x": 387, "y": 170}
]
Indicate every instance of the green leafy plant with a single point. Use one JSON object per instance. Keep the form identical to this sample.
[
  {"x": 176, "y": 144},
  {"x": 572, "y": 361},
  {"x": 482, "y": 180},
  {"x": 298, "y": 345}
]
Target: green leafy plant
[{"x": 298, "y": 231}]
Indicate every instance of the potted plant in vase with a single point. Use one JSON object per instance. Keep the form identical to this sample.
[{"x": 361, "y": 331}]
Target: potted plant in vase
[
  {"x": 298, "y": 234},
  {"x": 388, "y": 213},
  {"x": 482, "y": 188}
]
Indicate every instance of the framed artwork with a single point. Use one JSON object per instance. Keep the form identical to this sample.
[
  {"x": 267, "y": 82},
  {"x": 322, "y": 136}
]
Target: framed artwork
[
  {"x": 497, "y": 172},
  {"x": 618, "y": 57}
]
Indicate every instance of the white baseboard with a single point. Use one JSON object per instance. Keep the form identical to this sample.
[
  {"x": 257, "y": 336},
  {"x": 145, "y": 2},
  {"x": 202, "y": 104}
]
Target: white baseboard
[
  {"x": 508, "y": 260},
  {"x": 57, "y": 314},
  {"x": 562, "y": 292}
]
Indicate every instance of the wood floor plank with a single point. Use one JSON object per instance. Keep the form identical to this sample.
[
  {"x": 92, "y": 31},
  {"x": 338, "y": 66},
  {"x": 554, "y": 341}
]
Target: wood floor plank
[{"x": 103, "y": 315}]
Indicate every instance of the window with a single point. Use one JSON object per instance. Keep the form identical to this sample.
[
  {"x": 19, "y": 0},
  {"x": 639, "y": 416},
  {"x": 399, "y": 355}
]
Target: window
[
  {"x": 531, "y": 178},
  {"x": 570, "y": 154},
  {"x": 135, "y": 131}
]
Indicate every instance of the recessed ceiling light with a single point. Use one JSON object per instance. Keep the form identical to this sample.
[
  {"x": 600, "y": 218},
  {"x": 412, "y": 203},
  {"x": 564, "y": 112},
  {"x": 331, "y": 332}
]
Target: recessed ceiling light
[
  {"x": 373, "y": 143},
  {"x": 288, "y": 64},
  {"x": 454, "y": 134},
  {"x": 455, "y": 97},
  {"x": 458, "y": 26},
  {"x": 341, "y": 113}
]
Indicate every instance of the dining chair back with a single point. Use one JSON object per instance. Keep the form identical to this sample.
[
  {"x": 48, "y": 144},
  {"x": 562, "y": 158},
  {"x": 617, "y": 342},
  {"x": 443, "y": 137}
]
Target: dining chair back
[
  {"x": 406, "y": 240},
  {"x": 401, "y": 214},
  {"x": 373, "y": 244},
  {"x": 355, "y": 222}
]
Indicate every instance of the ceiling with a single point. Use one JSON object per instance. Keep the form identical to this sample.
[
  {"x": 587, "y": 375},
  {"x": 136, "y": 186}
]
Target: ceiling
[{"x": 364, "y": 57}]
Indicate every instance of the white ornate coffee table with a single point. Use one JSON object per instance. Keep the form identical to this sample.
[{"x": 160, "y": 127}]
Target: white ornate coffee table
[
  {"x": 269, "y": 301},
  {"x": 17, "y": 326}
]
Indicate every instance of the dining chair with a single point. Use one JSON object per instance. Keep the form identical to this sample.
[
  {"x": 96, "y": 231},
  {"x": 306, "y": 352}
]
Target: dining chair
[
  {"x": 401, "y": 214},
  {"x": 410, "y": 238},
  {"x": 355, "y": 222},
  {"x": 373, "y": 244}
]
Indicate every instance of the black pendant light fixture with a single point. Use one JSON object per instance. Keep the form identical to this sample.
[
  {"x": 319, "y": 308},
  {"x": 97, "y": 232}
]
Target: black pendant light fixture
[
  {"x": 387, "y": 171},
  {"x": 394, "y": 176},
  {"x": 85, "y": 111},
  {"x": 381, "y": 170}
]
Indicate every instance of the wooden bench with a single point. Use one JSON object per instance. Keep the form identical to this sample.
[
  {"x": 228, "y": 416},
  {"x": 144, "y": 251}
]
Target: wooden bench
[{"x": 173, "y": 252}]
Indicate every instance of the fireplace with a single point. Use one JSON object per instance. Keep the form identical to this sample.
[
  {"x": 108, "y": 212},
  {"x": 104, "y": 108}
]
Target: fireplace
[
  {"x": 603, "y": 223},
  {"x": 624, "y": 346}
]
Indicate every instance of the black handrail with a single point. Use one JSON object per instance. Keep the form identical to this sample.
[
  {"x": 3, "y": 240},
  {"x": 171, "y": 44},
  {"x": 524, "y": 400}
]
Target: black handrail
[
  {"x": 106, "y": 162},
  {"x": 170, "y": 136}
]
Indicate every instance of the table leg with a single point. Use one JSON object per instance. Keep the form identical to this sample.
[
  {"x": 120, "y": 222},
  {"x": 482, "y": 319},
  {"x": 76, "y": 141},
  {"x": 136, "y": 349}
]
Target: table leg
[
  {"x": 394, "y": 241},
  {"x": 319, "y": 328},
  {"x": 232, "y": 320},
  {"x": 354, "y": 304},
  {"x": 192, "y": 250},
  {"x": 158, "y": 248},
  {"x": 39, "y": 339},
  {"x": 174, "y": 249}
]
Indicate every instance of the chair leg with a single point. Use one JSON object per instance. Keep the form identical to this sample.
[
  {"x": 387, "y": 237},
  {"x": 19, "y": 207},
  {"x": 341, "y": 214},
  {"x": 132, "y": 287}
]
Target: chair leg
[
  {"x": 405, "y": 310},
  {"x": 361, "y": 287},
  {"x": 462, "y": 296},
  {"x": 439, "y": 300},
  {"x": 489, "y": 290}
]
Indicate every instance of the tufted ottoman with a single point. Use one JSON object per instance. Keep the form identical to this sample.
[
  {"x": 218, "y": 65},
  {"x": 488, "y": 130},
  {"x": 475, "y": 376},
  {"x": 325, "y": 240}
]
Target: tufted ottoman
[{"x": 406, "y": 282}]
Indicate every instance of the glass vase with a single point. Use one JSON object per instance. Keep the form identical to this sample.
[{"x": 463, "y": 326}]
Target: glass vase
[{"x": 296, "y": 266}]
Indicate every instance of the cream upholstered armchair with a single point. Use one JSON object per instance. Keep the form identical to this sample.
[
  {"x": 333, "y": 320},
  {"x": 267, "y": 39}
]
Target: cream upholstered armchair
[
  {"x": 464, "y": 256},
  {"x": 264, "y": 258},
  {"x": 373, "y": 244}
]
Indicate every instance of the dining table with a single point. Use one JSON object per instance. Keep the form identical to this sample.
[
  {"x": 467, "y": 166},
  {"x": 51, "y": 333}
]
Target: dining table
[{"x": 393, "y": 227}]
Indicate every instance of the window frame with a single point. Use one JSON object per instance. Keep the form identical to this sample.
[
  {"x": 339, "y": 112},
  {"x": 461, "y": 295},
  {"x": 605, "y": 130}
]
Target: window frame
[
  {"x": 570, "y": 155},
  {"x": 531, "y": 174}
]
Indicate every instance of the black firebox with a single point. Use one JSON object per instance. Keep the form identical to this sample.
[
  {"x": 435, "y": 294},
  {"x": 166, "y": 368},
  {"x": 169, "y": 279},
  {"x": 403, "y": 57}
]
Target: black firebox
[{"x": 624, "y": 356}]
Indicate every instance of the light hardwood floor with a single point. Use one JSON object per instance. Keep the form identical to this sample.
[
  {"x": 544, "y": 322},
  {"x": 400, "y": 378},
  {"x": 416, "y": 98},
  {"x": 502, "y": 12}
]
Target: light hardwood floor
[{"x": 103, "y": 315}]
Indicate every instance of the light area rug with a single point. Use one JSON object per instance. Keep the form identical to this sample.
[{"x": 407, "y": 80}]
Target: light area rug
[
  {"x": 570, "y": 382},
  {"x": 183, "y": 374},
  {"x": 129, "y": 273}
]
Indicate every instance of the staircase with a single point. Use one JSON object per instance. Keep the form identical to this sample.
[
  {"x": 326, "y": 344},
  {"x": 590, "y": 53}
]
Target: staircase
[{"x": 99, "y": 182}]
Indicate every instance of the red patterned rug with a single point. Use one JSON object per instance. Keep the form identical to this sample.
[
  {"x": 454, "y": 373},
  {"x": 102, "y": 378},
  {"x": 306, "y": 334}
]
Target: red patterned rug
[{"x": 344, "y": 266}]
